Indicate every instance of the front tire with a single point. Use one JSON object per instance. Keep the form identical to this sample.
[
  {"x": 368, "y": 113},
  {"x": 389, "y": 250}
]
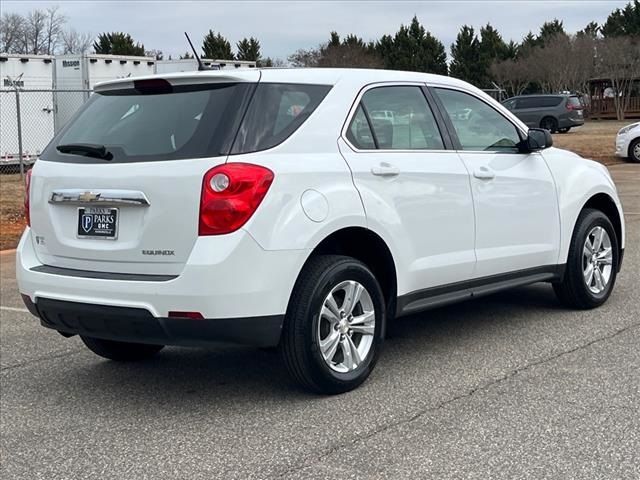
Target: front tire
[
  {"x": 333, "y": 329},
  {"x": 121, "y": 351},
  {"x": 592, "y": 263},
  {"x": 634, "y": 150}
]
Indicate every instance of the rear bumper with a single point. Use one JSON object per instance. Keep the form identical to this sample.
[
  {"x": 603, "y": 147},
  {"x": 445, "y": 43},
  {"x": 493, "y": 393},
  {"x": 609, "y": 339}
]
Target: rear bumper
[
  {"x": 139, "y": 326},
  {"x": 570, "y": 122},
  {"x": 240, "y": 289}
]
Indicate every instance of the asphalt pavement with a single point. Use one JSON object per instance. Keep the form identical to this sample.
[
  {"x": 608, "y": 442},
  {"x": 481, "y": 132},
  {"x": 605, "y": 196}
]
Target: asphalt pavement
[{"x": 509, "y": 386}]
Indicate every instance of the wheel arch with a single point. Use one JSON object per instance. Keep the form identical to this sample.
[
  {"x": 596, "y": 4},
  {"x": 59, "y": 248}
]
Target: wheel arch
[
  {"x": 368, "y": 247},
  {"x": 604, "y": 203}
]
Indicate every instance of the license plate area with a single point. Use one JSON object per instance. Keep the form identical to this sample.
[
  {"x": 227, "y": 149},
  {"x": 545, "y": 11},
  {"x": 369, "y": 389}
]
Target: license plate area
[{"x": 98, "y": 222}]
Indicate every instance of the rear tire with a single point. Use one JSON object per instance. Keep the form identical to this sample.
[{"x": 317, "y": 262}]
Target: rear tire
[
  {"x": 549, "y": 123},
  {"x": 330, "y": 344},
  {"x": 592, "y": 262},
  {"x": 634, "y": 150},
  {"x": 121, "y": 351}
]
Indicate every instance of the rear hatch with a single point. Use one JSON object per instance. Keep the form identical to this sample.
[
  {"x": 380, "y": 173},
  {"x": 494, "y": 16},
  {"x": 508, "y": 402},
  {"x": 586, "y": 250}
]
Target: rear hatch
[
  {"x": 118, "y": 190},
  {"x": 575, "y": 107}
]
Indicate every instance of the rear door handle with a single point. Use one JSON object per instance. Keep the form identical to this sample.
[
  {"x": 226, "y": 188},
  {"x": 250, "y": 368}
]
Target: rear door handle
[
  {"x": 484, "y": 173},
  {"x": 385, "y": 170}
]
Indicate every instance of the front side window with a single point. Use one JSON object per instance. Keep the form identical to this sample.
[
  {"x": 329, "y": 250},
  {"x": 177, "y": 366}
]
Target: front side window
[
  {"x": 479, "y": 127},
  {"x": 276, "y": 111},
  {"x": 400, "y": 118}
]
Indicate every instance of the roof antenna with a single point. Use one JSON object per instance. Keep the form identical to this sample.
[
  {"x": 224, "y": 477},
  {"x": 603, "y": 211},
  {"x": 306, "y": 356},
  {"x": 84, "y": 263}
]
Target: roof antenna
[{"x": 197, "y": 57}]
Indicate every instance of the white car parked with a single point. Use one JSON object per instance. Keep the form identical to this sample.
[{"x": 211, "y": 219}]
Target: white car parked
[
  {"x": 628, "y": 142},
  {"x": 269, "y": 207}
]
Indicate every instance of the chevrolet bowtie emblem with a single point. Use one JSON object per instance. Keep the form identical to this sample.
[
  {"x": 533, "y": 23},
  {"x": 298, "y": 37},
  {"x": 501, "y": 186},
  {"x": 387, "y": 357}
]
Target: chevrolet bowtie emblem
[{"x": 88, "y": 197}]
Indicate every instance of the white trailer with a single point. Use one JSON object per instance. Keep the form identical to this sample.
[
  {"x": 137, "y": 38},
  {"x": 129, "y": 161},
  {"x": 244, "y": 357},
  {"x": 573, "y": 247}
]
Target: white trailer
[
  {"x": 25, "y": 72},
  {"x": 82, "y": 72},
  {"x": 191, "y": 64}
]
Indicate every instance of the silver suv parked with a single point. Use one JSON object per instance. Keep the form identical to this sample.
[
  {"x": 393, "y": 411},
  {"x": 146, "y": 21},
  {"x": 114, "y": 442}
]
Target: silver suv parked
[{"x": 556, "y": 113}]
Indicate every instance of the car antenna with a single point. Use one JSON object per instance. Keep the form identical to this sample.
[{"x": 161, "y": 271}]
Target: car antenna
[{"x": 201, "y": 65}]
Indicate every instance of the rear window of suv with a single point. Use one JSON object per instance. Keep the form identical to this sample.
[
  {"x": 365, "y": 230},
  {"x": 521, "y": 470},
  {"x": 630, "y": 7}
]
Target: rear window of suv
[{"x": 158, "y": 121}]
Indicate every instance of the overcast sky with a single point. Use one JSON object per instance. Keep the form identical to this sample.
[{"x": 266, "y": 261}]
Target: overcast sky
[{"x": 283, "y": 27}]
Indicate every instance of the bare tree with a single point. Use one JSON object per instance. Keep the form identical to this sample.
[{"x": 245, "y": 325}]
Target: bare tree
[
  {"x": 55, "y": 22},
  {"x": 511, "y": 75},
  {"x": 34, "y": 33},
  {"x": 305, "y": 58},
  {"x": 618, "y": 59},
  {"x": 11, "y": 32},
  {"x": 75, "y": 42}
]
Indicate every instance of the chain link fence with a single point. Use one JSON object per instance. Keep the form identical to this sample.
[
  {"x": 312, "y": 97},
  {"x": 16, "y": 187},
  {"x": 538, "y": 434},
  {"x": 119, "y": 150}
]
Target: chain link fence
[{"x": 28, "y": 121}]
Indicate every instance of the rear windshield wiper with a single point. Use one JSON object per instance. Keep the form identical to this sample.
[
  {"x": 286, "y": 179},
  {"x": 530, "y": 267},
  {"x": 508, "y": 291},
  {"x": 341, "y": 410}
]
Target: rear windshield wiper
[{"x": 86, "y": 149}]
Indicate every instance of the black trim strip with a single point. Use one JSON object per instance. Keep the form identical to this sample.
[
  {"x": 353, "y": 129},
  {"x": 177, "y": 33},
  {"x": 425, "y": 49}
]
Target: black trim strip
[
  {"x": 454, "y": 292},
  {"x": 137, "y": 325},
  {"x": 131, "y": 277}
]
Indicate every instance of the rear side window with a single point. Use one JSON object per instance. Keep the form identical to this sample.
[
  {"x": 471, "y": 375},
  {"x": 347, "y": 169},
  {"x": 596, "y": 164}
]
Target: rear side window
[
  {"x": 149, "y": 124},
  {"x": 359, "y": 133},
  {"x": 400, "y": 119},
  {"x": 550, "y": 101},
  {"x": 276, "y": 111},
  {"x": 538, "y": 102}
]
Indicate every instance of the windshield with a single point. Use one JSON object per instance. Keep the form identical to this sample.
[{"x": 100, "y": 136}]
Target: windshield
[{"x": 172, "y": 123}]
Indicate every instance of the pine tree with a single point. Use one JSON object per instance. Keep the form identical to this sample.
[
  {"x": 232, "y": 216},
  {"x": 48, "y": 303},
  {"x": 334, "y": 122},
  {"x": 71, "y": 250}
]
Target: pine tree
[
  {"x": 117, "y": 43},
  {"x": 465, "y": 53},
  {"x": 413, "y": 48},
  {"x": 216, "y": 47},
  {"x": 623, "y": 22},
  {"x": 248, "y": 49}
]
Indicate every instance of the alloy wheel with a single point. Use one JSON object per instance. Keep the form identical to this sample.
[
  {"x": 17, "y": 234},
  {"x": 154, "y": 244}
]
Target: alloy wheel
[
  {"x": 597, "y": 260},
  {"x": 346, "y": 326}
]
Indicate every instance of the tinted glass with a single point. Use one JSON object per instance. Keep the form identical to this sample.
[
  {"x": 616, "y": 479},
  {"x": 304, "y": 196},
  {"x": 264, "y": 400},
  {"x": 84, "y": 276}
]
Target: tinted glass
[
  {"x": 401, "y": 119},
  {"x": 148, "y": 125},
  {"x": 550, "y": 101},
  {"x": 510, "y": 104},
  {"x": 359, "y": 133},
  {"x": 276, "y": 111},
  {"x": 479, "y": 127},
  {"x": 574, "y": 101},
  {"x": 527, "y": 102}
]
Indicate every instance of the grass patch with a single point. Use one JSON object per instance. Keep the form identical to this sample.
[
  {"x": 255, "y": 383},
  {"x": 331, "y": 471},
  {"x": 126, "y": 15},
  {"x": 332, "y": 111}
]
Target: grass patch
[{"x": 12, "y": 221}]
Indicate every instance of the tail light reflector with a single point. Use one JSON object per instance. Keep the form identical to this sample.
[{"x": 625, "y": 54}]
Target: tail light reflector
[
  {"x": 27, "y": 189},
  {"x": 191, "y": 315},
  {"x": 231, "y": 193}
]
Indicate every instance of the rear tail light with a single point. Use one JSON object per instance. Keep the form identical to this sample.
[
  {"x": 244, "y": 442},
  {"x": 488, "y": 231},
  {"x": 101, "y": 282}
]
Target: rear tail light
[
  {"x": 27, "y": 188},
  {"x": 231, "y": 193},
  {"x": 571, "y": 106}
]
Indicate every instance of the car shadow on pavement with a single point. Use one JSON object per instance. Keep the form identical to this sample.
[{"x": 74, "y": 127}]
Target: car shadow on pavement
[{"x": 249, "y": 376}]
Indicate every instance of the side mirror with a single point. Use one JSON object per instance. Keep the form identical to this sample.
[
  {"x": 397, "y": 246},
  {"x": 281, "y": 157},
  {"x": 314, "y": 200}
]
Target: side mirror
[{"x": 538, "y": 139}]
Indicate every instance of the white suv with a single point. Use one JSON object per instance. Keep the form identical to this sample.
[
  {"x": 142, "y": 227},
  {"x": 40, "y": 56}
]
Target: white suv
[
  {"x": 628, "y": 142},
  {"x": 271, "y": 208}
]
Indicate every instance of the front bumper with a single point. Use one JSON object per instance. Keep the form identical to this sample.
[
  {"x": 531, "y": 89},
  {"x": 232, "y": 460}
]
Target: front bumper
[
  {"x": 240, "y": 289},
  {"x": 622, "y": 146}
]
